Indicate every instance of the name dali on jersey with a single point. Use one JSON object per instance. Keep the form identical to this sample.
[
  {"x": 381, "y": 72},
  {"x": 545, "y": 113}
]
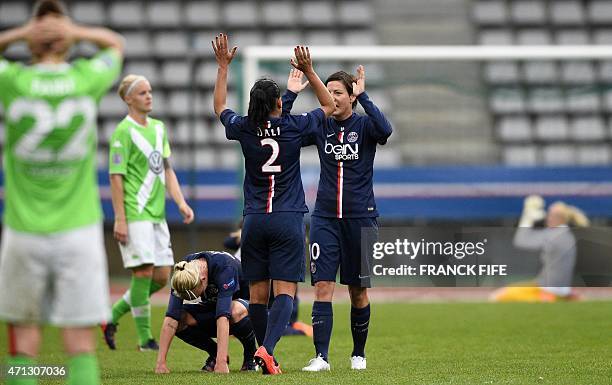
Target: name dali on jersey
[{"x": 344, "y": 151}]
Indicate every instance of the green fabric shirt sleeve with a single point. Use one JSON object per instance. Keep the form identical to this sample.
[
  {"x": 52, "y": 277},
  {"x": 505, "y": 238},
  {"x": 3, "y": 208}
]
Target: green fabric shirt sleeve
[
  {"x": 167, "y": 152},
  {"x": 119, "y": 150},
  {"x": 8, "y": 72}
]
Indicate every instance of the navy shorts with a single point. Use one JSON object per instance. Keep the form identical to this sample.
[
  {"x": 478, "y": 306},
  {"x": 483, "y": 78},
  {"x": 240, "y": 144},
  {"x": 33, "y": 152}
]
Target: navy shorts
[
  {"x": 336, "y": 243},
  {"x": 273, "y": 247},
  {"x": 204, "y": 314}
]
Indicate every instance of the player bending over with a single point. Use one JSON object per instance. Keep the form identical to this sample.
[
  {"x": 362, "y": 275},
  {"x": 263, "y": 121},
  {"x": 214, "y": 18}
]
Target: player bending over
[{"x": 211, "y": 283}]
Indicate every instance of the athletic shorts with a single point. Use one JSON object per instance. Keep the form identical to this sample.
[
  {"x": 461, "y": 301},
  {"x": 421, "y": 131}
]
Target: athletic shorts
[
  {"x": 336, "y": 243},
  {"x": 58, "y": 278},
  {"x": 273, "y": 247},
  {"x": 148, "y": 243},
  {"x": 204, "y": 314}
]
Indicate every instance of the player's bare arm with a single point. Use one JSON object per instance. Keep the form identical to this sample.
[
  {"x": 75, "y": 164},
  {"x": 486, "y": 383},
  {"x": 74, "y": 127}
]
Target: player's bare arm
[
  {"x": 120, "y": 229},
  {"x": 174, "y": 189},
  {"x": 224, "y": 57},
  {"x": 167, "y": 333},
  {"x": 303, "y": 63}
]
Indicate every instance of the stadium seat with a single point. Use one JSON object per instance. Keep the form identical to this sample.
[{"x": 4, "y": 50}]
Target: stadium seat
[
  {"x": 176, "y": 73},
  {"x": 160, "y": 105},
  {"x": 206, "y": 74},
  {"x": 387, "y": 158},
  {"x": 540, "y": 72},
  {"x": 355, "y": 13},
  {"x": 287, "y": 37},
  {"x": 551, "y": 128},
  {"x": 205, "y": 159},
  {"x": 126, "y": 14},
  {"x": 112, "y": 106},
  {"x": 201, "y": 14},
  {"x": 546, "y": 99},
  {"x": 13, "y": 13},
  {"x": 522, "y": 155},
  {"x": 602, "y": 37},
  {"x": 533, "y": 36},
  {"x": 566, "y": 12},
  {"x": 496, "y": 37},
  {"x": 317, "y": 13},
  {"x": 501, "y": 72},
  {"x": 507, "y": 100},
  {"x": 85, "y": 49},
  {"x": 230, "y": 159},
  {"x": 178, "y": 103},
  {"x": 107, "y": 129},
  {"x": 180, "y": 133},
  {"x": 88, "y": 13},
  {"x": 102, "y": 159},
  {"x": 558, "y": 155},
  {"x": 577, "y": 72},
  {"x": 170, "y": 44},
  {"x": 605, "y": 71},
  {"x": 490, "y": 12},
  {"x": 359, "y": 37},
  {"x": 201, "y": 44},
  {"x": 514, "y": 128},
  {"x": 319, "y": 37},
  {"x": 600, "y": 12},
  {"x": 528, "y": 12},
  {"x": 137, "y": 44},
  {"x": 247, "y": 38},
  {"x": 572, "y": 37},
  {"x": 240, "y": 14},
  {"x": 279, "y": 14},
  {"x": 181, "y": 160},
  {"x": 146, "y": 68},
  {"x": 164, "y": 14},
  {"x": 217, "y": 134},
  {"x": 582, "y": 100},
  {"x": 310, "y": 158},
  {"x": 18, "y": 51},
  {"x": 588, "y": 128},
  {"x": 607, "y": 100},
  {"x": 594, "y": 155}
]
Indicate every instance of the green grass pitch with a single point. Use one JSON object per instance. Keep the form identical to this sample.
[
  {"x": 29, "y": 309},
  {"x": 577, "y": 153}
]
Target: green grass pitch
[{"x": 453, "y": 343}]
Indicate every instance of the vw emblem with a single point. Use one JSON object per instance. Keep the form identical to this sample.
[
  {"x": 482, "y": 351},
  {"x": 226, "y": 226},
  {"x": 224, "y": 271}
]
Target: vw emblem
[
  {"x": 352, "y": 137},
  {"x": 156, "y": 162}
]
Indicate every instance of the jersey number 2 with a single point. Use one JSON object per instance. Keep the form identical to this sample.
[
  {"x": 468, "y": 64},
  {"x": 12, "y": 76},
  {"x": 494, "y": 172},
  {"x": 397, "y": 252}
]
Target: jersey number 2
[{"x": 268, "y": 167}]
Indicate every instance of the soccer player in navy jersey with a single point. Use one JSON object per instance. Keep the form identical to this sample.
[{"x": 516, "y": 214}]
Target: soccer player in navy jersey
[
  {"x": 345, "y": 205},
  {"x": 273, "y": 233},
  {"x": 212, "y": 282}
]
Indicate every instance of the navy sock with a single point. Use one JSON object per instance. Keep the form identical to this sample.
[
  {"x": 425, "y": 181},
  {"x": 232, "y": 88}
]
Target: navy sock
[
  {"x": 294, "y": 310},
  {"x": 360, "y": 322},
  {"x": 322, "y": 324},
  {"x": 243, "y": 330},
  {"x": 195, "y": 336},
  {"x": 259, "y": 318},
  {"x": 279, "y": 317}
]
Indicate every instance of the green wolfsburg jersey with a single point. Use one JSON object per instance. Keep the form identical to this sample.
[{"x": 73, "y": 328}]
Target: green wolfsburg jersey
[
  {"x": 50, "y": 179},
  {"x": 137, "y": 152}
]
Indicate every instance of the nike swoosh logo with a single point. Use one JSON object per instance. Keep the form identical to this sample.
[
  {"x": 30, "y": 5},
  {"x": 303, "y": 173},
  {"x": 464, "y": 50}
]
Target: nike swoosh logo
[
  {"x": 330, "y": 135},
  {"x": 363, "y": 276}
]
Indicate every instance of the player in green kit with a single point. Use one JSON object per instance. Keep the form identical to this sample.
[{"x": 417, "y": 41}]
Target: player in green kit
[
  {"x": 140, "y": 174},
  {"x": 52, "y": 258}
]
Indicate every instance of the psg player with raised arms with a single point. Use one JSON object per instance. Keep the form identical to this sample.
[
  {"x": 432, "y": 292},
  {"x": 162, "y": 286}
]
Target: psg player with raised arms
[
  {"x": 274, "y": 205},
  {"x": 345, "y": 205}
]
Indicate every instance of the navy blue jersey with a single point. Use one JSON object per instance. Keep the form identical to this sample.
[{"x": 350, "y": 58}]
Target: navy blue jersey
[
  {"x": 346, "y": 154},
  {"x": 272, "y": 181},
  {"x": 223, "y": 284}
]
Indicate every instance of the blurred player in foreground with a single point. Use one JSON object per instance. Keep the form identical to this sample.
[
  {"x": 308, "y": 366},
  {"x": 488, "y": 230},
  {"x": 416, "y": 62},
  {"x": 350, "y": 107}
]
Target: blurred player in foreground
[
  {"x": 345, "y": 205},
  {"x": 558, "y": 252},
  {"x": 140, "y": 174},
  {"x": 274, "y": 205},
  {"x": 53, "y": 262},
  {"x": 211, "y": 282}
]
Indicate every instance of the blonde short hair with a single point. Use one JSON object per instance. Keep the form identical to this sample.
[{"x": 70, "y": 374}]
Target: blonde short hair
[
  {"x": 128, "y": 83},
  {"x": 185, "y": 278},
  {"x": 573, "y": 215}
]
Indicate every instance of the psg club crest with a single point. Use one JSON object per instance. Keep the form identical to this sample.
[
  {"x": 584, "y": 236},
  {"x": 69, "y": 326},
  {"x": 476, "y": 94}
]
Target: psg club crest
[
  {"x": 352, "y": 137},
  {"x": 313, "y": 268},
  {"x": 156, "y": 162}
]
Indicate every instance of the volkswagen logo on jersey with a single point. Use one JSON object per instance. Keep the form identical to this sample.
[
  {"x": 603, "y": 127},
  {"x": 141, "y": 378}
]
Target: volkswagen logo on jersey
[
  {"x": 352, "y": 137},
  {"x": 156, "y": 162}
]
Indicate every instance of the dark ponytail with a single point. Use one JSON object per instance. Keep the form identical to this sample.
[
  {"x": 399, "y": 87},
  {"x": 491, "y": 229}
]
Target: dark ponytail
[{"x": 262, "y": 100}]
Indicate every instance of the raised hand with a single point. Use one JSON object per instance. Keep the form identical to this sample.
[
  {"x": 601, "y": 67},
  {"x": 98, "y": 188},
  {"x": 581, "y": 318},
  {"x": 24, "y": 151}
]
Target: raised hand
[
  {"x": 302, "y": 60},
  {"x": 294, "y": 82},
  {"x": 359, "y": 83},
  {"x": 223, "y": 55}
]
